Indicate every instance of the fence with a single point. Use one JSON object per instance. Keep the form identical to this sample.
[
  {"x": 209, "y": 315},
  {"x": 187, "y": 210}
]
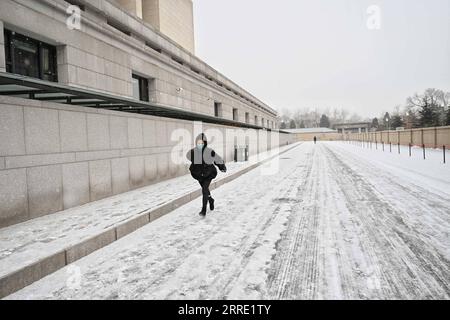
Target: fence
[
  {"x": 397, "y": 147},
  {"x": 435, "y": 137}
]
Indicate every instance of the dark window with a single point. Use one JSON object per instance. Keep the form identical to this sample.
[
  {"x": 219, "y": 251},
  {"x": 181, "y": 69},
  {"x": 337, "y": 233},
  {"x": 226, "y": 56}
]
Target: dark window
[
  {"x": 247, "y": 117},
  {"x": 30, "y": 57},
  {"x": 140, "y": 88},
  {"x": 235, "y": 115},
  {"x": 77, "y": 3},
  {"x": 48, "y": 62},
  {"x": 8, "y": 51},
  {"x": 217, "y": 109},
  {"x": 256, "y": 120}
]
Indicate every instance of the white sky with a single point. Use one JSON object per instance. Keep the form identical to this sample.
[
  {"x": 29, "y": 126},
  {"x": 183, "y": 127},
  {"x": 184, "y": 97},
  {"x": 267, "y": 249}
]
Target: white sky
[{"x": 320, "y": 53}]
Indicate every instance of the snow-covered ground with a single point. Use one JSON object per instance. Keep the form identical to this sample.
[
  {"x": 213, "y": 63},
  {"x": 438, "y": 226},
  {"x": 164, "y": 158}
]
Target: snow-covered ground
[
  {"x": 336, "y": 221},
  {"x": 28, "y": 242}
]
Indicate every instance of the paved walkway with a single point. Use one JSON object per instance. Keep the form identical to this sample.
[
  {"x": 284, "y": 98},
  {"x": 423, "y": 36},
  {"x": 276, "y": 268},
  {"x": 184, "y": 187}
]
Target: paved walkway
[
  {"x": 23, "y": 244},
  {"x": 335, "y": 221}
]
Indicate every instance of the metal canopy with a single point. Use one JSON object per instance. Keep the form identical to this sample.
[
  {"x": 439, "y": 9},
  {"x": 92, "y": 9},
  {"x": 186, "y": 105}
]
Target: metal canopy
[{"x": 36, "y": 89}]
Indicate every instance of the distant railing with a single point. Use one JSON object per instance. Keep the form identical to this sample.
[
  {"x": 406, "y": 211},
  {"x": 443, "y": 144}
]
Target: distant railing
[
  {"x": 435, "y": 137},
  {"x": 388, "y": 147}
]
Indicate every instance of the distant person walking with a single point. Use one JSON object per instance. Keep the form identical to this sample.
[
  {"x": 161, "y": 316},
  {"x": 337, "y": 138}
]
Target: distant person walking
[
  {"x": 203, "y": 168},
  {"x": 315, "y": 140}
]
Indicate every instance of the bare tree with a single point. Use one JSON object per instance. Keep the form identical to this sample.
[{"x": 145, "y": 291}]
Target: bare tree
[{"x": 430, "y": 106}]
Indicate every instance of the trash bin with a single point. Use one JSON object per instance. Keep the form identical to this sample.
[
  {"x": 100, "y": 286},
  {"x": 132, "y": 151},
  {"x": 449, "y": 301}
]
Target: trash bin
[{"x": 241, "y": 153}]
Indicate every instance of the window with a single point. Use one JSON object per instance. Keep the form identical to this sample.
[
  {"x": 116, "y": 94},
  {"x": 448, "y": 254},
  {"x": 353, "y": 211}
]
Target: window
[
  {"x": 235, "y": 114},
  {"x": 217, "y": 109},
  {"x": 8, "y": 51},
  {"x": 268, "y": 124},
  {"x": 256, "y": 120},
  {"x": 262, "y": 122},
  {"x": 247, "y": 117},
  {"x": 30, "y": 57},
  {"x": 77, "y": 3},
  {"x": 140, "y": 88}
]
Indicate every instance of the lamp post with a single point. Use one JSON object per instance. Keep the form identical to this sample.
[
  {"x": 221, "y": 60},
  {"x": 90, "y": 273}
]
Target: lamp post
[{"x": 388, "y": 120}]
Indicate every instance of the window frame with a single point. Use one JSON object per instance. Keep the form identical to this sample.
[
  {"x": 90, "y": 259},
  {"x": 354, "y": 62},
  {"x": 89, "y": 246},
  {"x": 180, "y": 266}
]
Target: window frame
[
  {"x": 235, "y": 114},
  {"x": 217, "y": 109},
  {"x": 8, "y": 54},
  {"x": 143, "y": 87},
  {"x": 11, "y": 36}
]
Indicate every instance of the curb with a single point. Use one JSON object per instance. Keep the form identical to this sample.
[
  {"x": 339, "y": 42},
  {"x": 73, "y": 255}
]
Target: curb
[{"x": 24, "y": 277}]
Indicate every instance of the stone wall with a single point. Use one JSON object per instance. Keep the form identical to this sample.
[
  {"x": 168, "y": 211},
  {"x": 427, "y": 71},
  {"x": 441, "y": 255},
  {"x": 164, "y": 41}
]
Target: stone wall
[
  {"x": 320, "y": 136},
  {"x": 173, "y": 18},
  {"x": 54, "y": 157},
  {"x": 176, "y": 21},
  {"x": 435, "y": 137}
]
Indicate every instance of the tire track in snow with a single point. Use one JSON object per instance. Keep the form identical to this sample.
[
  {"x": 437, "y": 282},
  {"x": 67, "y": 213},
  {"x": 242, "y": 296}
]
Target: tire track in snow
[
  {"x": 346, "y": 241},
  {"x": 286, "y": 262},
  {"x": 413, "y": 202},
  {"x": 417, "y": 202},
  {"x": 411, "y": 267},
  {"x": 312, "y": 258}
]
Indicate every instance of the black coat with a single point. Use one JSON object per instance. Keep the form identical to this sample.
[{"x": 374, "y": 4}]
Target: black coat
[{"x": 204, "y": 162}]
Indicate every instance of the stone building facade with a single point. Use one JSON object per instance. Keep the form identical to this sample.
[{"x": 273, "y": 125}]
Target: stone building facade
[
  {"x": 55, "y": 156},
  {"x": 115, "y": 49},
  {"x": 174, "y": 18}
]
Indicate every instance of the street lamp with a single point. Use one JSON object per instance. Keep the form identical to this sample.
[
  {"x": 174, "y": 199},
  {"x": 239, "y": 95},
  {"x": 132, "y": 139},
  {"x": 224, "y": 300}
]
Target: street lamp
[{"x": 388, "y": 120}]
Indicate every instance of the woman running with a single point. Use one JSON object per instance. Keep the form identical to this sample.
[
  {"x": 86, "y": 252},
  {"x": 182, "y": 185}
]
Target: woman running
[{"x": 203, "y": 168}]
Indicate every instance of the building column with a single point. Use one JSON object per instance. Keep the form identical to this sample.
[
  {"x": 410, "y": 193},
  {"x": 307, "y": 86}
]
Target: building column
[
  {"x": 150, "y": 12},
  {"x": 132, "y": 6},
  {"x": 2, "y": 49}
]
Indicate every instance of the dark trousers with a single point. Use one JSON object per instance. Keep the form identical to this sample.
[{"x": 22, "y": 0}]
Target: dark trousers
[{"x": 204, "y": 183}]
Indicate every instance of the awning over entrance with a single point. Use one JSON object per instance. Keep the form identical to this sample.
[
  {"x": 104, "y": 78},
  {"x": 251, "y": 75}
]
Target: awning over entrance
[{"x": 36, "y": 89}]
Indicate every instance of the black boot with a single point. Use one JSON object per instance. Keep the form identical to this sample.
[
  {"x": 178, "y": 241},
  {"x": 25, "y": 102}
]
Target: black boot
[
  {"x": 211, "y": 203},
  {"x": 205, "y": 203}
]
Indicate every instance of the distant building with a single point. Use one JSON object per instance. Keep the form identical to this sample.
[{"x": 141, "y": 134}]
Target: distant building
[
  {"x": 355, "y": 127},
  {"x": 308, "y": 134},
  {"x": 311, "y": 130}
]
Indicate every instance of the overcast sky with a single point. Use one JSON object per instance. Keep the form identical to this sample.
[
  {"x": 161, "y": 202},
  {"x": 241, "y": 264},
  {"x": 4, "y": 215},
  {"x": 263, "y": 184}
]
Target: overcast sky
[{"x": 321, "y": 53}]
